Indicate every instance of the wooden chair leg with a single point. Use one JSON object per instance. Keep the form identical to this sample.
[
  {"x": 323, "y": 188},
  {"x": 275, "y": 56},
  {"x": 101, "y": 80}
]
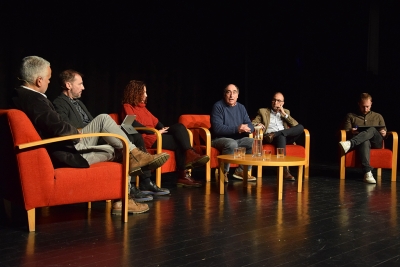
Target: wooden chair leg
[
  {"x": 379, "y": 172},
  {"x": 31, "y": 219}
]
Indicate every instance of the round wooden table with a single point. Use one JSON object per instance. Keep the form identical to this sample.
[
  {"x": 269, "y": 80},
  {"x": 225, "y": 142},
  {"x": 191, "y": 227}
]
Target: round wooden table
[{"x": 249, "y": 160}]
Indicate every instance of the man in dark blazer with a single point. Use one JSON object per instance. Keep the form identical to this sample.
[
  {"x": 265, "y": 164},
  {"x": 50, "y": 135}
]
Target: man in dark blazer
[{"x": 74, "y": 111}]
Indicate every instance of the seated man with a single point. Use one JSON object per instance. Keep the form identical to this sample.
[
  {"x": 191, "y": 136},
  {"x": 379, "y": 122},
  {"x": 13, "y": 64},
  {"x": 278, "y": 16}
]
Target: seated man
[
  {"x": 276, "y": 122},
  {"x": 362, "y": 141},
  {"x": 35, "y": 73},
  {"x": 74, "y": 111},
  {"x": 230, "y": 128}
]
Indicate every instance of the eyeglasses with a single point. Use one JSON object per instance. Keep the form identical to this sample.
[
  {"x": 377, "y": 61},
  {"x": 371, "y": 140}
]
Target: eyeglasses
[
  {"x": 231, "y": 92},
  {"x": 277, "y": 100}
]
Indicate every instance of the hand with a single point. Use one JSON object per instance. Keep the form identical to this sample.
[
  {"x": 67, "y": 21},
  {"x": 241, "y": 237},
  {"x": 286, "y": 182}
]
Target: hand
[
  {"x": 281, "y": 110},
  {"x": 260, "y": 124},
  {"x": 354, "y": 131},
  {"x": 382, "y": 132},
  {"x": 164, "y": 130},
  {"x": 244, "y": 128}
]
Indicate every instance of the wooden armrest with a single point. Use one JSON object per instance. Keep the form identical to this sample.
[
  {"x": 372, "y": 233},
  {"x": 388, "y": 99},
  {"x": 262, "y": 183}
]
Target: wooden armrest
[
  {"x": 157, "y": 133},
  {"x": 343, "y": 135},
  {"x": 207, "y": 138},
  {"x": 395, "y": 138}
]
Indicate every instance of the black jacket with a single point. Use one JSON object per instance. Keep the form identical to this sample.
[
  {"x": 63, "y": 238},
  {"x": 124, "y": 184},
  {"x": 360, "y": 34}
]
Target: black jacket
[{"x": 48, "y": 124}]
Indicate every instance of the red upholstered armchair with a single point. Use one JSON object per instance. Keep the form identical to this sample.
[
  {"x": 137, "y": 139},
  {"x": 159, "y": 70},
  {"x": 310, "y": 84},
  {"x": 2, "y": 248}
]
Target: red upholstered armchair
[
  {"x": 295, "y": 151},
  {"x": 29, "y": 179},
  {"x": 170, "y": 164},
  {"x": 385, "y": 157},
  {"x": 199, "y": 125}
]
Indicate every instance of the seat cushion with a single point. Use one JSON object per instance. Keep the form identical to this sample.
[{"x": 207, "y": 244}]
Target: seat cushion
[{"x": 379, "y": 158}]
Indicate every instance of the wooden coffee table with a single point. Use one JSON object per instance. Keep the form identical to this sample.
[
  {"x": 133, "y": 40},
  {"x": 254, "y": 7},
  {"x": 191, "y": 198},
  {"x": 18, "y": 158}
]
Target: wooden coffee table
[{"x": 248, "y": 160}]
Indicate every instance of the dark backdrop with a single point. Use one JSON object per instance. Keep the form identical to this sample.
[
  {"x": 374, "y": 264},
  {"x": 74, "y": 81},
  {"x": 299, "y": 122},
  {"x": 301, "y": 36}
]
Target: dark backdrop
[{"x": 315, "y": 52}]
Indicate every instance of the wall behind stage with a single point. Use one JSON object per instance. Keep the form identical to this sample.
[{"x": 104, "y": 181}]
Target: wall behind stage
[{"x": 315, "y": 53}]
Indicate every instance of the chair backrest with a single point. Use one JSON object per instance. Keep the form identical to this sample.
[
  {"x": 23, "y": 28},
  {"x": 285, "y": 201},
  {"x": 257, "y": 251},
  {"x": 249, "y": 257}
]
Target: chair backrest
[
  {"x": 21, "y": 168},
  {"x": 195, "y": 120},
  {"x": 115, "y": 117}
]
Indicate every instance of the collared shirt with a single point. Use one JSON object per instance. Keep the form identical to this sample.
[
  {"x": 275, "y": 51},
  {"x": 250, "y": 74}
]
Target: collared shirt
[
  {"x": 275, "y": 122},
  {"x": 25, "y": 87}
]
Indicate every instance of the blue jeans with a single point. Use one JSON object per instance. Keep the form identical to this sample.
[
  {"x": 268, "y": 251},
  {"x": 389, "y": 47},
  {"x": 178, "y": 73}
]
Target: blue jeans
[{"x": 227, "y": 145}]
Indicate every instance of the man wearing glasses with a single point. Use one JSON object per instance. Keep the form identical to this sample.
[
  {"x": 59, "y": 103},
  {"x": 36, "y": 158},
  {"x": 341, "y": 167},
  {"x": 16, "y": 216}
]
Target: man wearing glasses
[
  {"x": 230, "y": 128},
  {"x": 280, "y": 127}
]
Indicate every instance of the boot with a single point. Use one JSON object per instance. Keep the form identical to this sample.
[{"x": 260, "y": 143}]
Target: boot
[
  {"x": 194, "y": 160},
  {"x": 145, "y": 161},
  {"x": 148, "y": 187},
  {"x": 287, "y": 175},
  {"x": 140, "y": 196},
  {"x": 185, "y": 180},
  {"x": 133, "y": 207}
]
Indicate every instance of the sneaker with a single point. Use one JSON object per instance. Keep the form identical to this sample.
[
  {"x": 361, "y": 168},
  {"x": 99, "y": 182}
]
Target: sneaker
[
  {"x": 133, "y": 207},
  {"x": 194, "y": 160},
  {"x": 146, "y": 161},
  {"x": 153, "y": 189},
  {"x": 287, "y": 175},
  {"x": 140, "y": 196},
  {"x": 239, "y": 175},
  {"x": 345, "y": 145},
  {"x": 186, "y": 180},
  {"x": 369, "y": 178}
]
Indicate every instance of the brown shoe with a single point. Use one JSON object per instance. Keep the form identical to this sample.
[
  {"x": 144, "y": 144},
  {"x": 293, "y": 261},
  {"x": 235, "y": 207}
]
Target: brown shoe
[
  {"x": 145, "y": 161},
  {"x": 239, "y": 175},
  {"x": 194, "y": 160},
  {"x": 185, "y": 180},
  {"x": 226, "y": 177},
  {"x": 269, "y": 137},
  {"x": 133, "y": 207},
  {"x": 287, "y": 176}
]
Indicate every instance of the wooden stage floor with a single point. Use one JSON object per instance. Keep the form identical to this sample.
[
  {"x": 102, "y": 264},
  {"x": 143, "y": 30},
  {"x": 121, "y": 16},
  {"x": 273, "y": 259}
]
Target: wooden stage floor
[{"x": 331, "y": 223}]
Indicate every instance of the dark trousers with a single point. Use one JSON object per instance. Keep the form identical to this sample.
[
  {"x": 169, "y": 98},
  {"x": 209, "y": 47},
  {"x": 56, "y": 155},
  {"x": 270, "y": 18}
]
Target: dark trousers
[
  {"x": 363, "y": 142},
  {"x": 177, "y": 140},
  {"x": 287, "y": 136}
]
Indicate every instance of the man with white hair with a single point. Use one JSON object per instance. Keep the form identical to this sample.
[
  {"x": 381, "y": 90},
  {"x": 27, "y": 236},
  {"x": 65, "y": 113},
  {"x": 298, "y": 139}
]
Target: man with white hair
[{"x": 35, "y": 74}]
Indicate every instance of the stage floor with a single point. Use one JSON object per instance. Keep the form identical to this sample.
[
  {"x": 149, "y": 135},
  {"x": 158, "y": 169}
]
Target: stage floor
[{"x": 331, "y": 223}]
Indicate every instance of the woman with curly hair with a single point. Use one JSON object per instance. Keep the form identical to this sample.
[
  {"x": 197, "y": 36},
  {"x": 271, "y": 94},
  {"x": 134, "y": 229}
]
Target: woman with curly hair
[{"x": 175, "y": 137}]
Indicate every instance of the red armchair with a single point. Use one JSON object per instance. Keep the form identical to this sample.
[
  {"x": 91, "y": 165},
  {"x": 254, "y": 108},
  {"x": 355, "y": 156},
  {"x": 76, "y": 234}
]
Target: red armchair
[
  {"x": 295, "y": 151},
  {"x": 30, "y": 180},
  {"x": 199, "y": 125},
  {"x": 379, "y": 158},
  {"x": 170, "y": 164}
]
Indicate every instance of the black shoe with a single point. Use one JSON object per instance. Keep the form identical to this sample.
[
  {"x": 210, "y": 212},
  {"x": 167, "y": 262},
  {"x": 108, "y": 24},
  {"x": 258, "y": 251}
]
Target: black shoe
[
  {"x": 140, "y": 196},
  {"x": 151, "y": 188}
]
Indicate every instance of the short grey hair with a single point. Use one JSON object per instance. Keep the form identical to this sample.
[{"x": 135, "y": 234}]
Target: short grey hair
[{"x": 33, "y": 67}]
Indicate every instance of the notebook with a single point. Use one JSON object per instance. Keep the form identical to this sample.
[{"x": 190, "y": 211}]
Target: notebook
[
  {"x": 127, "y": 124},
  {"x": 365, "y": 127}
]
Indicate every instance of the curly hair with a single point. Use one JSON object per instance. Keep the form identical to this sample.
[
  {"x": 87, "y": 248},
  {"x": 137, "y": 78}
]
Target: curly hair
[{"x": 133, "y": 93}]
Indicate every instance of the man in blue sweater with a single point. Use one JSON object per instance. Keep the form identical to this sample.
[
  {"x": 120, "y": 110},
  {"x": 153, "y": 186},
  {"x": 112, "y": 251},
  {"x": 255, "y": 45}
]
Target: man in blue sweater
[{"x": 230, "y": 128}]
